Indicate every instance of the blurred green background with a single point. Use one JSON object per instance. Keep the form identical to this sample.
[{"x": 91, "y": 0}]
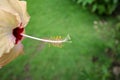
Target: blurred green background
[{"x": 83, "y": 59}]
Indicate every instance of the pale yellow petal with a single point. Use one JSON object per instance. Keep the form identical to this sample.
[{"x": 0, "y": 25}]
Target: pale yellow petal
[
  {"x": 16, "y": 51},
  {"x": 7, "y": 6},
  {"x": 6, "y": 43},
  {"x": 8, "y": 20},
  {"x": 7, "y": 23},
  {"x": 26, "y": 16},
  {"x": 20, "y": 7},
  {"x": 15, "y": 5},
  {"x": 17, "y": 8}
]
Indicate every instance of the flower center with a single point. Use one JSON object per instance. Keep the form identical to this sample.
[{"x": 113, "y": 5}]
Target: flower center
[{"x": 17, "y": 34}]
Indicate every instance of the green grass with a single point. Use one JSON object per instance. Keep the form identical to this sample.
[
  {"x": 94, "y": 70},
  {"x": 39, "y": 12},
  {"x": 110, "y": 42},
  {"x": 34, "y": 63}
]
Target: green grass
[{"x": 51, "y": 18}]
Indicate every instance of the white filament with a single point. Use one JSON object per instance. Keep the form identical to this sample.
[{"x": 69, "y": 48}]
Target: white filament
[{"x": 49, "y": 41}]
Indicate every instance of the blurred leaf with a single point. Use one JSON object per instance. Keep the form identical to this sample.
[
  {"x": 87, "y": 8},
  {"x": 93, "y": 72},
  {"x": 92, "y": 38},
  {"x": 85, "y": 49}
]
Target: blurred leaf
[
  {"x": 111, "y": 8},
  {"x": 79, "y": 1},
  {"x": 101, "y": 6},
  {"x": 94, "y": 8},
  {"x": 101, "y": 9},
  {"x": 90, "y": 1}
]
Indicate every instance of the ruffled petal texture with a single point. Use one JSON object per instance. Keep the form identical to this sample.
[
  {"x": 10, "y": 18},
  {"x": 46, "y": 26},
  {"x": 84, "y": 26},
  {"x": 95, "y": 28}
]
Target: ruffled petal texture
[
  {"x": 7, "y": 24},
  {"x": 13, "y": 14},
  {"x": 17, "y": 8},
  {"x": 16, "y": 51}
]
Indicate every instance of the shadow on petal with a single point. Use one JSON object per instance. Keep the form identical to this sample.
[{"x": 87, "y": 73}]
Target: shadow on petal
[{"x": 8, "y": 57}]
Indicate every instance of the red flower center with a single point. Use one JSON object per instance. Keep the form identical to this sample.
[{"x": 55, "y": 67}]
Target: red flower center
[{"x": 17, "y": 34}]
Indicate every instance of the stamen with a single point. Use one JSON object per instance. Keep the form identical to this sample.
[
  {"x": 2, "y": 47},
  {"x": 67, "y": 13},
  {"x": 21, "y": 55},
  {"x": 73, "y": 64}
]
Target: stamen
[{"x": 67, "y": 39}]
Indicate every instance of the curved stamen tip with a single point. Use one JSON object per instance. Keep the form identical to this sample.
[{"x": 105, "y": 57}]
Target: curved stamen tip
[{"x": 67, "y": 39}]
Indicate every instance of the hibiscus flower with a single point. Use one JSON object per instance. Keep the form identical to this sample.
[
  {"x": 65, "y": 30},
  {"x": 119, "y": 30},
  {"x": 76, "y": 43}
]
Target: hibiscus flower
[{"x": 13, "y": 19}]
